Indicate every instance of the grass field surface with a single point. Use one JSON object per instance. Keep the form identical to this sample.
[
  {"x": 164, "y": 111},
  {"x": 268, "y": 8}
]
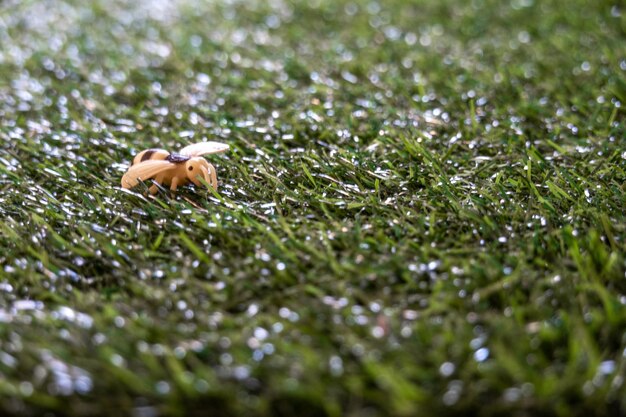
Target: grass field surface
[{"x": 422, "y": 211}]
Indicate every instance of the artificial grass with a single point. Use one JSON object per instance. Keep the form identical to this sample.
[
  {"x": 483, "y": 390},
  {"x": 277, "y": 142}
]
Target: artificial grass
[{"x": 422, "y": 211}]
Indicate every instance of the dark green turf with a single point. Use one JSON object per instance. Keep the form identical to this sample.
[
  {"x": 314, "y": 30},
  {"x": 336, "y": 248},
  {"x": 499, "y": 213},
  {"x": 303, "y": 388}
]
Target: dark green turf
[{"x": 422, "y": 212}]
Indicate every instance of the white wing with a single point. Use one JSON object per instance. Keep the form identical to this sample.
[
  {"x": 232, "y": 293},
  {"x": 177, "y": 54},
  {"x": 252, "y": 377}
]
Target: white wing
[
  {"x": 143, "y": 171},
  {"x": 203, "y": 148}
]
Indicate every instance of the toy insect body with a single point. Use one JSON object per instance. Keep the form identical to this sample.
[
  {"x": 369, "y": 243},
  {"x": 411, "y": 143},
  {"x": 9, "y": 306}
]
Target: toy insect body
[{"x": 174, "y": 169}]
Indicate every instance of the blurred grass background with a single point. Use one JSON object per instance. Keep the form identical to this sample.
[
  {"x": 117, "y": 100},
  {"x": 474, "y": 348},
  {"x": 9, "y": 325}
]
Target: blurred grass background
[{"x": 422, "y": 211}]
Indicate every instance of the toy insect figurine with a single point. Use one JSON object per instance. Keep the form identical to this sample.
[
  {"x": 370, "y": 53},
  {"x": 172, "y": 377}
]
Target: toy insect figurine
[{"x": 174, "y": 169}]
